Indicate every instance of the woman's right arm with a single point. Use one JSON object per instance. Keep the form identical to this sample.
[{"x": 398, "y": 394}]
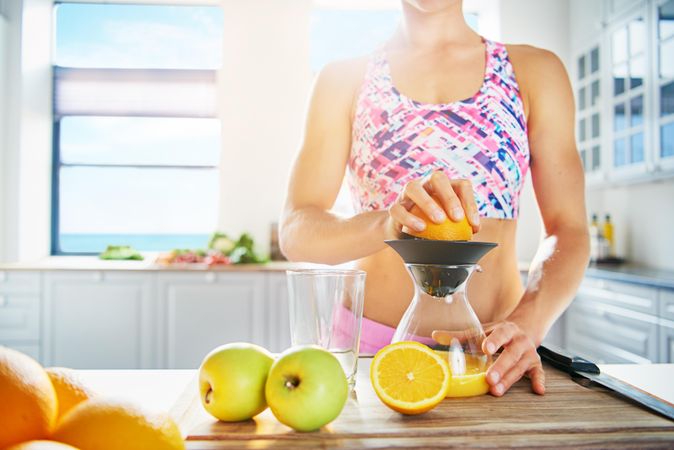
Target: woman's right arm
[{"x": 308, "y": 230}]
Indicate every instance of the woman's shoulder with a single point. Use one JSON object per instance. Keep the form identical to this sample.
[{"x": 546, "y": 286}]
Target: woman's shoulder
[
  {"x": 339, "y": 82},
  {"x": 536, "y": 69},
  {"x": 529, "y": 55},
  {"x": 532, "y": 62},
  {"x": 345, "y": 72}
]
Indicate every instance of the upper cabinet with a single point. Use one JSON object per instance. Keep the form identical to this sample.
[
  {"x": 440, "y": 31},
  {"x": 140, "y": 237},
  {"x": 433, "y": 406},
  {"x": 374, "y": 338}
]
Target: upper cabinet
[
  {"x": 588, "y": 103},
  {"x": 664, "y": 86},
  {"x": 624, "y": 85},
  {"x": 627, "y": 97}
]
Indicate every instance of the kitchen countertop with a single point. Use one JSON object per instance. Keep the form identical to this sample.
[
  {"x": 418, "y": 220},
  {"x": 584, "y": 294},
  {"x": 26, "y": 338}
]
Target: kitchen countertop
[
  {"x": 568, "y": 414},
  {"x": 632, "y": 273},
  {"x": 147, "y": 265}
]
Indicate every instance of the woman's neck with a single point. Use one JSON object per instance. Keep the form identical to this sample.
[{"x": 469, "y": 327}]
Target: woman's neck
[{"x": 434, "y": 30}]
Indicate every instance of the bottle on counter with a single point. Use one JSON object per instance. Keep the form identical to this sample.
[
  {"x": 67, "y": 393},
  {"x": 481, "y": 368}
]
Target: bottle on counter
[
  {"x": 608, "y": 235},
  {"x": 599, "y": 245},
  {"x": 595, "y": 236}
]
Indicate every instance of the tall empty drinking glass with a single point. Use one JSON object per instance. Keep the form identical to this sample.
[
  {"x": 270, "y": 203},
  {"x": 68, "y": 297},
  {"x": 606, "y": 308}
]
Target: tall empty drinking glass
[{"x": 326, "y": 309}]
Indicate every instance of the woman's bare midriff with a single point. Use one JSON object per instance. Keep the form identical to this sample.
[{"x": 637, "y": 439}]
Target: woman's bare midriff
[{"x": 493, "y": 293}]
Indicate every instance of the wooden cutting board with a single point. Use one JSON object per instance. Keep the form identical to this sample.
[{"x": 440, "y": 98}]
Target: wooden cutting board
[{"x": 567, "y": 415}]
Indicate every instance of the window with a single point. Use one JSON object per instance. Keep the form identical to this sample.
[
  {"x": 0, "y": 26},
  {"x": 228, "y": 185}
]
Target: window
[
  {"x": 136, "y": 141},
  {"x": 588, "y": 79},
  {"x": 628, "y": 70},
  {"x": 665, "y": 79}
]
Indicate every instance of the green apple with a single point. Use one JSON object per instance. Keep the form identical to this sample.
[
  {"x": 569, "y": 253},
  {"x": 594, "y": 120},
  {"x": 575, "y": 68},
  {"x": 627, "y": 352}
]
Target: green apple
[
  {"x": 306, "y": 388},
  {"x": 232, "y": 379}
]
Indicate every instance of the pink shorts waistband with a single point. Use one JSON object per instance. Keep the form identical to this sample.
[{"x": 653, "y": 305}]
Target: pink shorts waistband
[{"x": 373, "y": 335}]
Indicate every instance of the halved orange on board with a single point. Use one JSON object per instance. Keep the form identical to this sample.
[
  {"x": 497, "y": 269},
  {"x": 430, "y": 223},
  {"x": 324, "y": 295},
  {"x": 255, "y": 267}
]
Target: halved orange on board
[{"x": 409, "y": 377}]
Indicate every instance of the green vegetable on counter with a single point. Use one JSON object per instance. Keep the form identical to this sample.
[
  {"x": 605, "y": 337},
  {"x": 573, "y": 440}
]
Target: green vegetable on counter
[
  {"x": 121, "y": 252},
  {"x": 221, "y": 242},
  {"x": 241, "y": 251}
]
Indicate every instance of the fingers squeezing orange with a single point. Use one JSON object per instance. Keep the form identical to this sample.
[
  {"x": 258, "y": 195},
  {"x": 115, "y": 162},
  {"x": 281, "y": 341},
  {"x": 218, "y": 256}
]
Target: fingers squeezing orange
[{"x": 445, "y": 231}]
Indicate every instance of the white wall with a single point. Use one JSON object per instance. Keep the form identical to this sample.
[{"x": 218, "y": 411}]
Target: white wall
[
  {"x": 265, "y": 84},
  {"x": 26, "y": 164},
  {"x": 9, "y": 200},
  {"x": 3, "y": 120},
  {"x": 644, "y": 221},
  {"x": 544, "y": 24},
  {"x": 35, "y": 132}
]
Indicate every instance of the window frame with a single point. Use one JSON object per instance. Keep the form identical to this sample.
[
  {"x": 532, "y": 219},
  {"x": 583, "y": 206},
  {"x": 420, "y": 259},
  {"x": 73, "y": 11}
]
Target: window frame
[
  {"x": 629, "y": 170},
  {"x": 597, "y": 175},
  {"x": 57, "y": 116}
]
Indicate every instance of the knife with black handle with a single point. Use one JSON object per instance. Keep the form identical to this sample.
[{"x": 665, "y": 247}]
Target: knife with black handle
[{"x": 577, "y": 366}]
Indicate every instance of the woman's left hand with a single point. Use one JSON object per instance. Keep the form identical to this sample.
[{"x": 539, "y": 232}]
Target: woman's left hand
[{"x": 519, "y": 357}]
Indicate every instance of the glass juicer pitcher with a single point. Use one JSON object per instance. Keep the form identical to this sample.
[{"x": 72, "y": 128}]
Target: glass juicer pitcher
[{"x": 440, "y": 315}]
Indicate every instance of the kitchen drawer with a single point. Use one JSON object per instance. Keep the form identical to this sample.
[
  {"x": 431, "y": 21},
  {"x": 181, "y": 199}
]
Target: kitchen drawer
[
  {"x": 580, "y": 347},
  {"x": 19, "y": 316},
  {"x": 666, "y": 344},
  {"x": 626, "y": 295},
  {"x": 19, "y": 281},
  {"x": 666, "y": 304},
  {"x": 612, "y": 334},
  {"x": 31, "y": 349}
]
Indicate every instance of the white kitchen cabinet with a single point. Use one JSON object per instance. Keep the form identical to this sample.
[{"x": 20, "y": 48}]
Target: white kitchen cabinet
[
  {"x": 99, "y": 320},
  {"x": 638, "y": 298},
  {"x": 625, "y": 121},
  {"x": 278, "y": 321},
  {"x": 612, "y": 322},
  {"x": 20, "y": 307},
  {"x": 19, "y": 281},
  {"x": 609, "y": 334},
  {"x": 201, "y": 311},
  {"x": 19, "y": 316}
]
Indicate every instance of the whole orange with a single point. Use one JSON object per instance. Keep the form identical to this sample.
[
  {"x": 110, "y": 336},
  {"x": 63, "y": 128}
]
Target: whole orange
[
  {"x": 445, "y": 231},
  {"x": 28, "y": 404},
  {"x": 70, "y": 390},
  {"x": 105, "y": 424},
  {"x": 41, "y": 445}
]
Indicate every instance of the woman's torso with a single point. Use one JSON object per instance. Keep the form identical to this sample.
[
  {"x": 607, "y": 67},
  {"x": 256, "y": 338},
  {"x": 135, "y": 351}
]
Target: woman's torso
[{"x": 439, "y": 118}]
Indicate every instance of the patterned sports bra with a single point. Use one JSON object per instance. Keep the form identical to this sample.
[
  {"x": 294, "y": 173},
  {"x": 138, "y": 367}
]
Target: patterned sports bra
[{"x": 483, "y": 139}]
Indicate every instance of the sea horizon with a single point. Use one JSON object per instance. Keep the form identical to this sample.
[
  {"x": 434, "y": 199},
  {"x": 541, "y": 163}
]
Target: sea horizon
[{"x": 97, "y": 242}]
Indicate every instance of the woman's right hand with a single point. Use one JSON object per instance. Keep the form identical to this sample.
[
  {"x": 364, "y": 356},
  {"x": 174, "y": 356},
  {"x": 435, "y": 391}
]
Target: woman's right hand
[{"x": 455, "y": 200}]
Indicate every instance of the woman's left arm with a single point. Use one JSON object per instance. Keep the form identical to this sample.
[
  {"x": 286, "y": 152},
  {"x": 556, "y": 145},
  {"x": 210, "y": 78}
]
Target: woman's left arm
[{"x": 561, "y": 259}]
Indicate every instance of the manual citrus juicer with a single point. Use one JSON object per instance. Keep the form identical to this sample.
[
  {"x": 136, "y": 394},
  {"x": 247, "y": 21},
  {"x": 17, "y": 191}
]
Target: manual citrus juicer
[{"x": 440, "y": 315}]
